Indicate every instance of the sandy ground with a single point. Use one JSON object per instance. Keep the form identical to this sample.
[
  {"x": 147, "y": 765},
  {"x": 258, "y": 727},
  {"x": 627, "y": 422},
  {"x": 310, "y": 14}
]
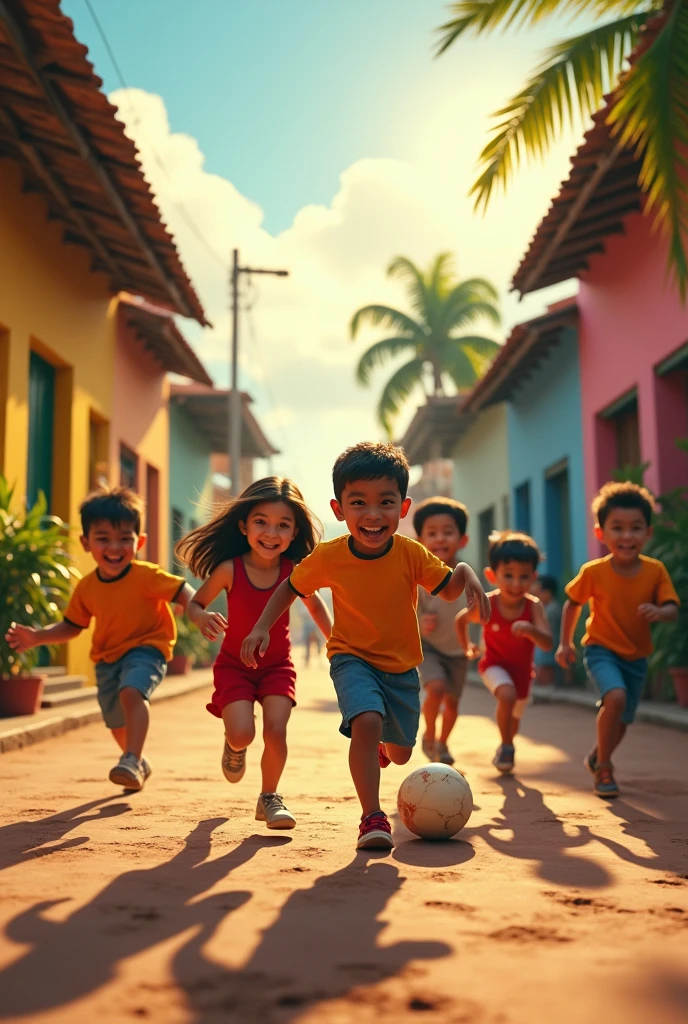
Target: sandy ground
[{"x": 174, "y": 906}]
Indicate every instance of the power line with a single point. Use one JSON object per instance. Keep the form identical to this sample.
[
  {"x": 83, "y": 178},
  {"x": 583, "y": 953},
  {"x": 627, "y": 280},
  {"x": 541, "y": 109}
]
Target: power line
[{"x": 178, "y": 205}]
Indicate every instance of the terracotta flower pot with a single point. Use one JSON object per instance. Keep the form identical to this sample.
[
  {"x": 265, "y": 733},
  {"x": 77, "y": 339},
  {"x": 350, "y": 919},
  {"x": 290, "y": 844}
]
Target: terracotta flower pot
[
  {"x": 679, "y": 678},
  {"x": 20, "y": 695},
  {"x": 180, "y": 665}
]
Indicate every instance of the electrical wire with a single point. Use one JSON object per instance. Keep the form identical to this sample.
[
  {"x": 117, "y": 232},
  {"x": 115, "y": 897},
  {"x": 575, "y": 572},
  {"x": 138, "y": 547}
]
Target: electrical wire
[{"x": 178, "y": 204}]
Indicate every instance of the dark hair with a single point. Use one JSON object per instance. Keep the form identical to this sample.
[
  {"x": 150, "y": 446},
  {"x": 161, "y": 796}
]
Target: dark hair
[
  {"x": 113, "y": 505},
  {"x": 441, "y": 507},
  {"x": 221, "y": 539},
  {"x": 622, "y": 495},
  {"x": 509, "y": 546},
  {"x": 370, "y": 461},
  {"x": 548, "y": 583}
]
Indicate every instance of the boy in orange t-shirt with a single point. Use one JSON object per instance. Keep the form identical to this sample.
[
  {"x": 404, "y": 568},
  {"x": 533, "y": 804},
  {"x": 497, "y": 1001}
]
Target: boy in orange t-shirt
[
  {"x": 375, "y": 646},
  {"x": 626, "y": 592}
]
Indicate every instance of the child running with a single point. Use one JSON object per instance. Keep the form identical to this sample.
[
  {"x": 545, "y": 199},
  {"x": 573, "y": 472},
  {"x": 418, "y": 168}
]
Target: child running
[
  {"x": 626, "y": 591},
  {"x": 374, "y": 649},
  {"x": 247, "y": 550},
  {"x": 440, "y": 525},
  {"x": 546, "y": 669},
  {"x": 135, "y": 630},
  {"x": 517, "y": 624}
]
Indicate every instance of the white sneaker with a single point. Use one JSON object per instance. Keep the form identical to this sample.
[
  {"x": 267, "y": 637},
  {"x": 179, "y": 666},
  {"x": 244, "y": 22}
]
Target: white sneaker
[
  {"x": 271, "y": 809},
  {"x": 128, "y": 773},
  {"x": 233, "y": 763}
]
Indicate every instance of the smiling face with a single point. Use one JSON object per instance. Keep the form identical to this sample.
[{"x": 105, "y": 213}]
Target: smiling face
[
  {"x": 113, "y": 546},
  {"x": 270, "y": 527},
  {"x": 513, "y": 580},
  {"x": 625, "y": 533},
  {"x": 371, "y": 510},
  {"x": 441, "y": 536}
]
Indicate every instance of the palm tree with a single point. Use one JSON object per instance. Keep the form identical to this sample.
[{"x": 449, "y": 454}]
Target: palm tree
[
  {"x": 442, "y": 306},
  {"x": 649, "y": 111}
]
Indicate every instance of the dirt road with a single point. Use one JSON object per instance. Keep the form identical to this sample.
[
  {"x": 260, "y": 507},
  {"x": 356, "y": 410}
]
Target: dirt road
[{"x": 174, "y": 906}]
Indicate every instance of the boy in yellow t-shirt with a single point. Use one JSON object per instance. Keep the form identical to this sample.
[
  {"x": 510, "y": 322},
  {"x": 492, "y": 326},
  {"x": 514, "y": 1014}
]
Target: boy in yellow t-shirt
[
  {"x": 375, "y": 646},
  {"x": 626, "y": 592},
  {"x": 135, "y": 630}
]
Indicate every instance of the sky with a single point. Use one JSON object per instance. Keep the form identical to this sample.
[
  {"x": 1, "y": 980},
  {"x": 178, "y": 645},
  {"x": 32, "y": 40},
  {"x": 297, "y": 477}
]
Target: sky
[{"x": 322, "y": 138}]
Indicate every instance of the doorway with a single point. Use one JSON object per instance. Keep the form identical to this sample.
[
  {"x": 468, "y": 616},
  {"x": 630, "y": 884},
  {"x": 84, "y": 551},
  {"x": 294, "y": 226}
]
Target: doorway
[
  {"x": 558, "y": 522},
  {"x": 41, "y": 430}
]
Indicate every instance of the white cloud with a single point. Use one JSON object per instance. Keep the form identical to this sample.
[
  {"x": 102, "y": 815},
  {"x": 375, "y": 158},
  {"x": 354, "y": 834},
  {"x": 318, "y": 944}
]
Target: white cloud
[{"x": 300, "y": 363}]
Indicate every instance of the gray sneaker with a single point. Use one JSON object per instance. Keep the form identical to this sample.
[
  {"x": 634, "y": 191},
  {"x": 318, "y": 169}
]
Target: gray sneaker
[
  {"x": 504, "y": 758},
  {"x": 271, "y": 809},
  {"x": 443, "y": 753},
  {"x": 429, "y": 749},
  {"x": 128, "y": 773},
  {"x": 146, "y": 769},
  {"x": 233, "y": 763}
]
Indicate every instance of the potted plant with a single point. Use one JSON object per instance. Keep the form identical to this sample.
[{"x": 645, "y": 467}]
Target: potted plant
[
  {"x": 670, "y": 544},
  {"x": 190, "y": 647},
  {"x": 35, "y": 580}
]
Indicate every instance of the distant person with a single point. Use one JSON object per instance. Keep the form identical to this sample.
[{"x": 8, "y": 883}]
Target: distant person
[
  {"x": 375, "y": 646},
  {"x": 311, "y": 637},
  {"x": 626, "y": 591},
  {"x": 135, "y": 630},
  {"x": 249, "y": 547},
  {"x": 546, "y": 669},
  {"x": 440, "y": 525},
  {"x": 517, "y": 625}
]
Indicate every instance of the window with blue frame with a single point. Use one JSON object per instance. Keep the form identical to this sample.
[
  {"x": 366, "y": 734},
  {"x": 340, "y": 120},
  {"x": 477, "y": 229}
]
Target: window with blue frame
[{"x": 522, "y": 506}]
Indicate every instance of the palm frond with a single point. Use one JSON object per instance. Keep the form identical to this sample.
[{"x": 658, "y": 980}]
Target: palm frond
[
  {"x": 397, "y": 389},
  {"x": 480, "y": 351},
  {"x": 387, "y": 317},
  {"x": 651, "y": 116},
  {"x": 469, "y": 301},
  {"x": 379, "y": 354},
  {"x": 459, "y": 365},
  {"x": 404, "y": 268},
  {"x": 569, "y": 83},
  {"x": 482, "y": 15}
]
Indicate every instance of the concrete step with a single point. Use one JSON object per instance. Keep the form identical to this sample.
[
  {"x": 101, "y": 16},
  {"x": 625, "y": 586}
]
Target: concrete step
[
  {"x": 56, "y": 684},
  {"x": 53, "y": 670},
  {"x": 78, "y": 695}
]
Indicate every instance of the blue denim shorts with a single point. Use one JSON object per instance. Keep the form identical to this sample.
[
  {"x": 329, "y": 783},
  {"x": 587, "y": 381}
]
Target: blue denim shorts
[
  {"x": 362, "y": 687},
  {"x": 142, "y": 668},
  {"x": 608, "y": 671}
]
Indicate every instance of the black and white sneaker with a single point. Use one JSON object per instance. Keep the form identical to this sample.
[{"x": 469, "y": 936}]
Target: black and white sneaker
[{"x": 233, "y": 763}]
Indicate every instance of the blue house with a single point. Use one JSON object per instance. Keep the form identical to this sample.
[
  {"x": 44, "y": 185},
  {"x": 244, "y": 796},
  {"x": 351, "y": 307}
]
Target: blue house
[{"x": 537, "y": 375}]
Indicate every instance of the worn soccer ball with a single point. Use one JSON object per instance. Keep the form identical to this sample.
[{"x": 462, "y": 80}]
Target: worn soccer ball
[{"x": 435, "y": 802}]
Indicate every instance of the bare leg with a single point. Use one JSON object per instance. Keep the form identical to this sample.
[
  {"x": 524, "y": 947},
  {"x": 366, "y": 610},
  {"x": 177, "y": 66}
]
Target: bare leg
[
  {"x": 545, "y": 675},
  {"x": 119, "y": 735},
  {"x": 432, "y": 701},
  {"x": 240, "y": 724},
  {"x": 276, "y": 712},
  {"x": 506, "y": 723},
  {"x": 449, "y": 715},
  {"x": 609, "y": 725},
  {"x": 366, "y": 730},
  {"x": 397, "y": 754},
  {"x": 137, "y": 719}
]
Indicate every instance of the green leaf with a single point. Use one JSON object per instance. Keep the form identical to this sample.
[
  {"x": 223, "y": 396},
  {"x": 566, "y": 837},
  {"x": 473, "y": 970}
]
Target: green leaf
[
  {"x": 384, "y": 316},
  {"x": 397, "y": 389},
  {"x": 379, "y": 354}
]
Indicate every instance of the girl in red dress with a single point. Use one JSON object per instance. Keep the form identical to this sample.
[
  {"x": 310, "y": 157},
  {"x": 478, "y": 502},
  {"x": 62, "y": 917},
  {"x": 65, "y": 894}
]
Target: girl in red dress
[
  {"x": 247, "y": 549},
  {"x": 517, "y": 625}
]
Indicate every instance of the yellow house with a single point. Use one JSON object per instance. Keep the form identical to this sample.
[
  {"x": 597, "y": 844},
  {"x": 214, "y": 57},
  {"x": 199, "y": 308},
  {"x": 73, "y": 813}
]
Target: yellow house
[{"x": 78, "y": 226}]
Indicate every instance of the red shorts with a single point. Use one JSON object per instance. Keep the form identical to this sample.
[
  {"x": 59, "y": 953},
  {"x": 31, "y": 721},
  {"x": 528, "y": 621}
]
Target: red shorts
[{"x": 238, "y": 682}]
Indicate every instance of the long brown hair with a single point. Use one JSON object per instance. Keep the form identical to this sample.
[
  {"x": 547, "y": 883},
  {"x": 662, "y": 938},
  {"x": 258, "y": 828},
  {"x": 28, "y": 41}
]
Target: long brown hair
[{"x": 221, "y": 539}]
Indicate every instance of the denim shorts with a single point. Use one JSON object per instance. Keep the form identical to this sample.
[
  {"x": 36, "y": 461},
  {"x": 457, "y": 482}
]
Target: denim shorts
[
  {"x": 608, "y": 671},
  {"x": 394, "y": 695},
  {"x": 142, "y": 668}
]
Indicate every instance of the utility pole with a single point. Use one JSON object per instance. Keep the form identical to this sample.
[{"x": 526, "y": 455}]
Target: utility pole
[{"x": 234, "y": 410}]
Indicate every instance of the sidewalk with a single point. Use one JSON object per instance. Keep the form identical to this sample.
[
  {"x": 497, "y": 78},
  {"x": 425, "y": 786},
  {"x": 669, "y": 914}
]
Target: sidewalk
[
  {"x": 671, "y": 716},
  {"x": 24, "y": 730}
]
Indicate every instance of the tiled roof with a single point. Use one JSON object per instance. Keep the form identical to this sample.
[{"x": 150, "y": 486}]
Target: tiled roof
[
  {"x": 209, "y": 409},
  {"x": 158, "y": 332},
  {"x": 600, "y": 191},
  {"x": 57, "y": 123}
]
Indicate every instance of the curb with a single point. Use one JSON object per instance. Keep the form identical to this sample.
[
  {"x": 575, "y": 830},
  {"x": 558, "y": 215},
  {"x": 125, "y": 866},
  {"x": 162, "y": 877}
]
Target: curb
[
  {"x": 666, "y": 715},
  {"x": 47, "y": 728}
]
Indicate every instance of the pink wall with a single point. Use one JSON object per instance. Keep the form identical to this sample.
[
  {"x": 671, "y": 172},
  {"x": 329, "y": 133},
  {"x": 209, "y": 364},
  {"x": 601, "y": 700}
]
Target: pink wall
[{"x": 631, "y": 319}]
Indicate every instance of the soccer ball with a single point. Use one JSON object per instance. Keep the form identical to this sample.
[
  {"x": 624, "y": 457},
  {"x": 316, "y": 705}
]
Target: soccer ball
[{"x": 435, "y": 802}]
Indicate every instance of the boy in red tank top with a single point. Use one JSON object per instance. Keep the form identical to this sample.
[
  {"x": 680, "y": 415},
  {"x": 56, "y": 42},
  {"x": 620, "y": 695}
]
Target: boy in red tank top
[{"x": 517, "y": 625}]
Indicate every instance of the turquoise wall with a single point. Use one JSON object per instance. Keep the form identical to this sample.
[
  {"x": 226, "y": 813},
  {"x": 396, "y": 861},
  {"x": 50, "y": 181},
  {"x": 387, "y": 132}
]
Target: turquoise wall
[
  {"x": 190, "y": 473},
  {"x": 545, "y": 435}
]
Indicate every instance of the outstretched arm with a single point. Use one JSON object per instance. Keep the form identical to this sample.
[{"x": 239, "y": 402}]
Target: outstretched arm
[
  {"x": 466, "y": 616},
  {"x": 23, "y": 638},
  {"x": 566, "y": 651},
  {"x": 211, "y": 624},
  {"x": 464, "y": 579},
  {"x": 259, "y": 637},
  {"x": 320, "y": 614},
  {"x": 538, "y": 630}
]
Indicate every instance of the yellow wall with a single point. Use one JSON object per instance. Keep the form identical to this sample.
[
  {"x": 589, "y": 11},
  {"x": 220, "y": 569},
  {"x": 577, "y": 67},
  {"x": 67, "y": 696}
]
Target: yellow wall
[{"x": 51, "y": 302}]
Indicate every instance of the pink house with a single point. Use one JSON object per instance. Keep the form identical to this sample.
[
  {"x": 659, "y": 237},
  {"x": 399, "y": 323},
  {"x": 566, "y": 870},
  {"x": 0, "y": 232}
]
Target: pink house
[{"x": 633, "y": 328}]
